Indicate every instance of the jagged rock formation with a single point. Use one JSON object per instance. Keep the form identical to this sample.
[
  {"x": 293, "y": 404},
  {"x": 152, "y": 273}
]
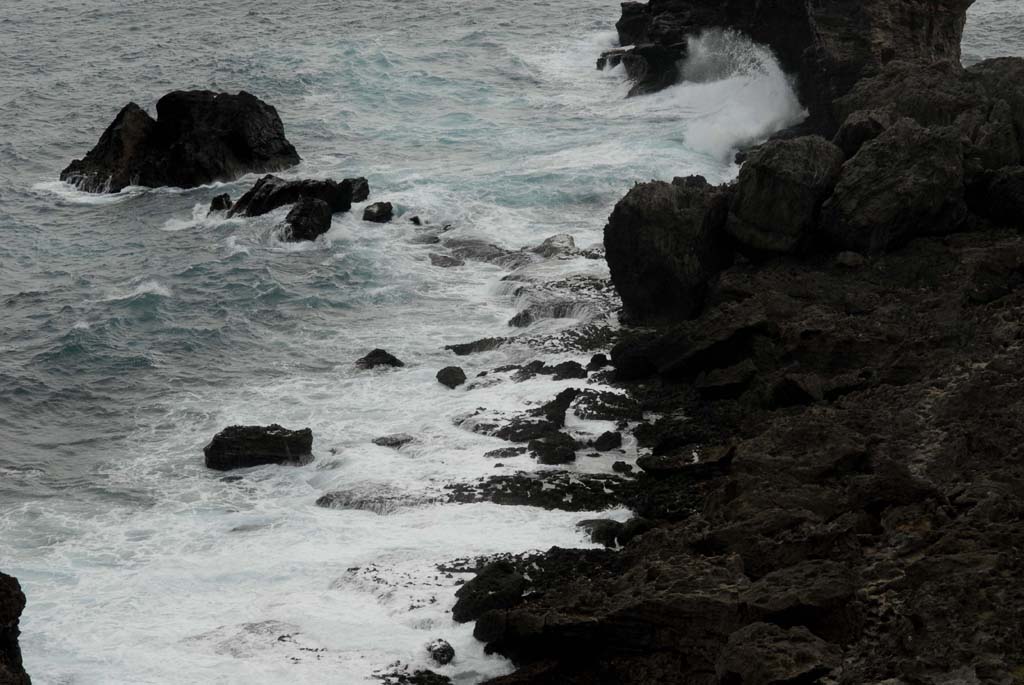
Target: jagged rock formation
[
  {"x": 12, "y": 603},
  {"x": 238, "y": 447},
  {"x": 828, "y": 46},
  {"x": 198, "y": 137}
]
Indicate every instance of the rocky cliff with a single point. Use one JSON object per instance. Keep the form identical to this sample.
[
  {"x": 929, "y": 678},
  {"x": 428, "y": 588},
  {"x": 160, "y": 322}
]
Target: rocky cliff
[{"x": 12, "y": 603}]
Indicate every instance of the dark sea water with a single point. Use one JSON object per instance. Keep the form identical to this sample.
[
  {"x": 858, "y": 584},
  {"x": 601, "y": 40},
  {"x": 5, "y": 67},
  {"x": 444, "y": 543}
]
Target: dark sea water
[{"x": 133, "y": 328}]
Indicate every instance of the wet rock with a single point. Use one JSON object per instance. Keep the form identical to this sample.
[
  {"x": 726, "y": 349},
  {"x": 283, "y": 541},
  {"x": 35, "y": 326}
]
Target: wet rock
[
  {"x": 400, "y": 675},
  {"x": 664, "y": 243},
  {"x": 598, "y": 361},
  {"x": 445, "y": 261},
  {"x": 472, "y": 249},
  {"x": 451, "y": 376},
  {"x": 506, "y": 453},
  {"x": 762, "y": 653},
  {"x": 360, "y": 188},
  {"x": 395, "y": 440},
  {"x": 779, "y": 194},
  {"x": 239, "y": 447},
  {"x": 496, "y": 586},
  {"x": 907, "y": 182},
  {"x": 12, "y": 604},
  {"x": 556, "y": 246},
  {"x": 308, "y": 219},
  {"x": 197, "y": 138},
  {"x": 380, "y": 502},
  {"x": 611, "y": 533},
  {"x": 861, "y": 127},
  {"x": 220, "y": 203},
  {"x": 652, "y": 67},
  {"x": 606, "y": 406},
  {"x": 609, "y": 440},
  {"x": 377, "y": 358},
  {"x": 566, "y": 370},
  {"x": 379, "y": 213},
  {"x": 622, "y": 467},
  {"x": 415, "y": 221},
  {"x": 441, "y": 652},
  {"x": 482, "y": 345},
  {"x": 554, "y": 448},
  {"x": 548, "y": 489},
  {"x": 271, "y": 192}
]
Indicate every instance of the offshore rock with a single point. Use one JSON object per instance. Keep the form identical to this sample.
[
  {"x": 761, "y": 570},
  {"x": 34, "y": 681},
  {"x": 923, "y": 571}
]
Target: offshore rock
[
  {"x": 360, "y": 189},
  {"x": 240, "y": 447},
  {"x": 827, "y": 46},
  {"x": 441, "y": 652},
  {"x": 497, "y": 586},
  {"x": 12, "y": 603},
  {"x": 197, "y": 138},
  {"x": 308, "y": 219},
  {"x": 379, "y": 213},
  {"x": 451, "y": 376},
  {"x": 779, "y": 194},
  {"x": 220, "y": 203},
  {"x": 271, "y": 192},
  {"x": 664, "y": 243},
  {"x": 377, "y": 358}
]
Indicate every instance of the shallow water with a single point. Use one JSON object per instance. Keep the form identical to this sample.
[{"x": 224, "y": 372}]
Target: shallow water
[{"x": 134, "y": 328}]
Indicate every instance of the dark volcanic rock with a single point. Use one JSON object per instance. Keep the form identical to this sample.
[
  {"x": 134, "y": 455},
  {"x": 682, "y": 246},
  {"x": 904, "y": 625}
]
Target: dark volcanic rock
[
  {"x": 909, "y": 181},
  {"x": 12, "y": 603},
  {"x": 780, "y": 191},
  {"x": 566, "y": 370},
  {"x": 271, "y": 192},
  {"x": 561, "y": 490},
  {"x": 664, "y": 242},
  {"x": 239, "y": 447},
  {"x": 766, "y": 653},
  {"x": 496, "y": 586},
  {"x": 828, "y": 46},
  {"x": 360, "y": 188},
  {"x": 379, "y": 213},
  {"x": 308, "y": 219},
  {"x": 452, "y": 376},
  {"x": 377, "y": 358},
  {"x": 395, "y": 440},
  {"x": 999, "y": 196},
  {"x": 482, "y": 345},
  {"x": 555, "y": 448},
  {"x": 220, "y": 203},
  {"x": 608, "y": 441},
  {"x": 198, "y": 137},
  {"x": 441, "y": 652}
]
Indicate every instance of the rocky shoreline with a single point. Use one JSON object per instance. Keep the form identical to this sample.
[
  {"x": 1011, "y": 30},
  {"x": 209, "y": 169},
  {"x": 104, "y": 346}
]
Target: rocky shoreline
[{"x": 821, "y": 368}]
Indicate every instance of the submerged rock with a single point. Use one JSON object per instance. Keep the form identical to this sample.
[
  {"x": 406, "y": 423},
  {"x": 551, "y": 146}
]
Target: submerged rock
[
  {"x": 308, "y": 219},
  {"x": 271, "y": 192},
  {"x": 610, "y": 440},
  {"x": 377, "y": 358},
  {"x": 197, "y": 138},
  {"x": 379, "y": 213},
  {"x": 395, "y": 440},
  {"x": 496, "y": 586},
  {"x": 239, "y": 447},
  {"x": 451, "y": 376},
  {"x": 554, "y": 448}
]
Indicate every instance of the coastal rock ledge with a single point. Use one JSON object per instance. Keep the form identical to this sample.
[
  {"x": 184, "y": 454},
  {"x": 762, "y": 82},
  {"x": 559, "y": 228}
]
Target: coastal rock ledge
[
  {"x": 197, "y": 138},
  {"x": 12, "y": 603}
]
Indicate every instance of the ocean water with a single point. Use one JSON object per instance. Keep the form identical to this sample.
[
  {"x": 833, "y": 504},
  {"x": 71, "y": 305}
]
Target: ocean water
[{"x": 134, "y": 328}]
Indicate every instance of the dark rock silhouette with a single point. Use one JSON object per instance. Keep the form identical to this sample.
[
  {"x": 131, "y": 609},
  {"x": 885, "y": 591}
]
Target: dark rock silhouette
[
  {"x": 12, "y": 603},
  {"x": 308, "y": 219},
  {"x": 197, "y": 138},
  {"x": 239, "y": 447},
  {"x": 377, "y": 358},
  {"x": 271, "y": 192},
  {"x": 379, "y": 213}
]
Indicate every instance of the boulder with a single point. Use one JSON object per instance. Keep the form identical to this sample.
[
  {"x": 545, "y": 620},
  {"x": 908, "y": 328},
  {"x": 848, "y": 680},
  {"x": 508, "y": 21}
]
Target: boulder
[
  {"x": 238, "y": 447},
  {"x": 379, "y": 213},
  {"x": 556, "y": 246},
  {"x": 554, "y": 448},
  {"x": 907, "y": 182},
  {"x": 360, "y": 188},
  {"x": 861, "y": 127},
  {"x": 622, "y": 467},
  {"x": 609, "y": 440},
  {"x": 999, "y": 196},
  {"x": 451, "y": 376},
  {"x": 441, "y": 652},
  {"x": 779, "y": 194},
  {"x": 664, "y": 243},
  {"x": 377, "y": 358},
  {"x": 395, "y": 440},
  {"x": 197, "y": 138},
  {"x": 308, "y": 219},
  {"x": 271, "y": 192},
  {"x": 12, "y": 604},
  {"x": 565, "y": 370},
  {"x": 598, "y": 361},
  {"x": 220, "y": 203},
  {"x": 497, "y": 586}
]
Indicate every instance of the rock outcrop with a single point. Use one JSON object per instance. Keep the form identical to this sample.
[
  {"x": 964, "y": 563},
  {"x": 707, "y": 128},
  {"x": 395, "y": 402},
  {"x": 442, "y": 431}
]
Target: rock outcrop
[
  {"x": 828, "y": 46},
  {"x": 308, "y": 219},
  {"x": 197, "y": 138},
  {"x": 379, "y": 213},
  {"x": 664, "y": 241},
  {"x": 271, "y": 192},
  {"x": 12, "y": 603},
  {"x": 238, "y": 447}
]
